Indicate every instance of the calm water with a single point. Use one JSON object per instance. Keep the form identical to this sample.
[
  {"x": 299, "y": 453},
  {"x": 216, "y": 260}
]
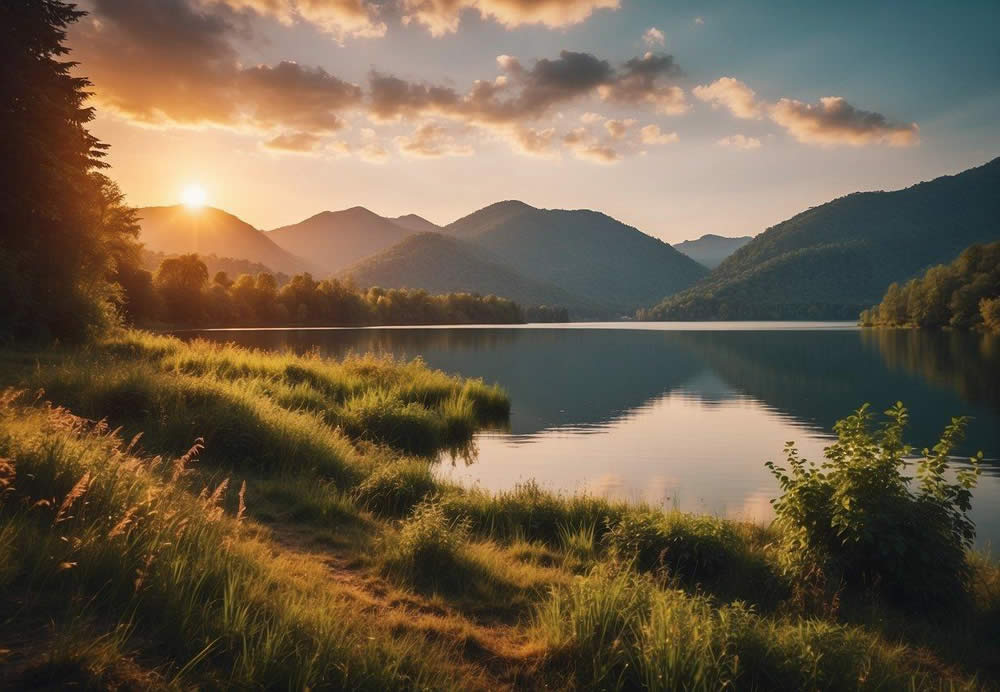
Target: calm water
[{"x": 685, "y": 414}]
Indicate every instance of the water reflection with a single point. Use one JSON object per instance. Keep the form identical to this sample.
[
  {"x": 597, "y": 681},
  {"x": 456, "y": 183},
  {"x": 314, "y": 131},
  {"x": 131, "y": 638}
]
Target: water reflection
[{"x": 686, "y": 417}]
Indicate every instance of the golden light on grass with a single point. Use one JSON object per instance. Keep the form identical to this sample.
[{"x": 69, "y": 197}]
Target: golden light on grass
[{"x": 193, "y": 196}]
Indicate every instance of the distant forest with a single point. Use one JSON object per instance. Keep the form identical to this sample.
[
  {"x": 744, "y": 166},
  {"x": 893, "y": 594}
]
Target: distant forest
[
  {"x": 180, "y": 292},
  {"x": 964, "y": 294}
]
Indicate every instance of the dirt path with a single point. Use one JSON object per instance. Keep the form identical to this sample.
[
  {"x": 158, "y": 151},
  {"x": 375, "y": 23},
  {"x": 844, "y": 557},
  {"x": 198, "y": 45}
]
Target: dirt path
[{"x": 497, "y": 655}]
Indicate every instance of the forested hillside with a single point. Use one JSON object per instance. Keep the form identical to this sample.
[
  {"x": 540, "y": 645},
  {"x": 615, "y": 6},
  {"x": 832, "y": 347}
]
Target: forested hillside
[
  {"x": 441, "y": 264},
  {"x": 836, "y": 259},
  {"x": 964, "y": 294},
  {"x": 586, "y": 253}
]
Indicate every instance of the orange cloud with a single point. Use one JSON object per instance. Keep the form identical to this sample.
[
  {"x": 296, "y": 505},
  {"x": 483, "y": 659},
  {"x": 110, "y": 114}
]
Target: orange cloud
[
  {"x": 730, "y": 93},
  {"x": 834, "y": 121},
  {"x": 443, "y": 16},
  {"x": 741, "y": 142}
]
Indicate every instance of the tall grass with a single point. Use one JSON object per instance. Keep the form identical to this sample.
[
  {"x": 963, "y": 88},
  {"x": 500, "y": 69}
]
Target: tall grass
[
  {"x": 90, "y": 531},
  {"x": 118, "y": 544}
]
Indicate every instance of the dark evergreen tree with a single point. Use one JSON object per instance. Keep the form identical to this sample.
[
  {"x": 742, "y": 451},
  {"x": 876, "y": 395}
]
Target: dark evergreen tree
[{"x": 64, "y": 226}]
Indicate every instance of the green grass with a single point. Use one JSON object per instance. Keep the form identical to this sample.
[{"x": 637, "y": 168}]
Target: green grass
[{"x": 309, "y": 544}]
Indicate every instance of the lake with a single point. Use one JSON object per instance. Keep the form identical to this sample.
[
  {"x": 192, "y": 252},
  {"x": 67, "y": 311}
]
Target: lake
[{"x": 685, "y": 414}]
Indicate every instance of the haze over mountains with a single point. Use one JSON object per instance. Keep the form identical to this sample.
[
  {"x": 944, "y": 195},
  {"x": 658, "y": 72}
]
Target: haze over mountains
[
  {"x": 710, "y": 250},
  {"x": 828, "y": 262},
  {"x": 833, "y": 260},
  {"x": 209, "y": 231},
  {"x": 334, "y": 240}
]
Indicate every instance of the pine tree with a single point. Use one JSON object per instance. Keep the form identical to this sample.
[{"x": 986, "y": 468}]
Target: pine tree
[{"x": 63, "y": 225}]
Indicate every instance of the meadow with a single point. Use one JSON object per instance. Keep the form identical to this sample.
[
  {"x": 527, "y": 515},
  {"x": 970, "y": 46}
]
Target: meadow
[{"x": 190, "y": 515}]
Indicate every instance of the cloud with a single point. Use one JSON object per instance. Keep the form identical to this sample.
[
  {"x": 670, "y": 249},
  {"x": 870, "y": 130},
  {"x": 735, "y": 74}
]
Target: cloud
[
  {"x": 732, "y": 94},
  {"x": 529, "y": 93},
  {"x": 834, "y": 121},
  {"x": 831, "y": 122},
  {"x": 443, "y": 16},
  {"x": 651, "y": 134},
  {"x": 162, "y": 63},
  {"x": 654, "y": 38},
  {"x": 642, "y": 82},
  {"x": 533, "y": 142},
  {"x": 587, "y": 147},
  {"x": 340, "y": 18},
  {"x": 295, "y": 142},
  {"x": 619, "y": 128},
  {"x": 741, "y": 142},
  {"x": 432, "y": 141}
]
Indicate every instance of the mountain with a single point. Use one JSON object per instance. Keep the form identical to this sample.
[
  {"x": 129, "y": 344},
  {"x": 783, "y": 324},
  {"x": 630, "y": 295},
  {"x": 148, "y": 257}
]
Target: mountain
[
  {"x": 709, "y": 250},
  {"x": 334, "y": 240},
  {"x": 417, "y": 224},
  {"x": 443, "y": 264},
  {"x": 210, "y": 231},
  {"x": 836, "y": 259},
  {"x": 585, "y": 253}
]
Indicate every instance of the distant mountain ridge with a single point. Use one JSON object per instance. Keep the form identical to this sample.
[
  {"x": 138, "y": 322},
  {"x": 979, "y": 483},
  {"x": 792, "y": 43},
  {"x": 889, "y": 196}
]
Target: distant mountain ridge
[
  {"x": 710, "y": 250},
  {"x": 586, "y": 253},
  {"x": 833, "y": 260},
  {"x": 334, "y": 240},
  {"x": 208, "y": 231}
]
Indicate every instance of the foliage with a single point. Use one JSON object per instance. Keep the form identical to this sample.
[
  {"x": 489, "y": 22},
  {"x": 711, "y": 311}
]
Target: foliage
[
  {"x": 616, "y": 630},
  {"x": 183, "y": 295},
  {"x": 952, "y": 295},
  {"x": 989, "y": 308},
  {"x": 335, "y": 593},
  {"x": 856, "y": 518},
  {"x": 65, "y": 226},
  {"x": 833, "y": 260}
]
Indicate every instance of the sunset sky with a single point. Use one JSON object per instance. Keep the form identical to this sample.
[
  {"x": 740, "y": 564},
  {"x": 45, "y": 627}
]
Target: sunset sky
[{"x": 680, "y": 118}]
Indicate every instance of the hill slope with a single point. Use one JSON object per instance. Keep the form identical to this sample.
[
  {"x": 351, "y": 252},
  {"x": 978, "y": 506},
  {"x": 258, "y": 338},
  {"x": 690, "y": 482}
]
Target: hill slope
[
  {"x": 710, "y": 249},
  {"x": 443, "y": 264},
  {"x": 335, "y": 240},
  {"x": 836, "y": 259},
  {"x": 210, "y": 231},
  {"x": 586, "y": 253}
]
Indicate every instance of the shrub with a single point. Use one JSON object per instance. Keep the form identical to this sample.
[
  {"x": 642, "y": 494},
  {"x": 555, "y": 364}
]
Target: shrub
[
  {"x": 989, "y": 308},
  {"x": 685, "y": 546},
  {"x": 856, "y": 518},
  {"x": 396, "y": 488},
  {"x": 429, "y": 551}
]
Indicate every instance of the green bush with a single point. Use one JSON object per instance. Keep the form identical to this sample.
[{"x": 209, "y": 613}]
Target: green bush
[
  {"x": 856, "y": 518},
  {"x": 689, "y": 548},
  {"x": 396, "y": 488},
  {"x": 430, "y": 549}
]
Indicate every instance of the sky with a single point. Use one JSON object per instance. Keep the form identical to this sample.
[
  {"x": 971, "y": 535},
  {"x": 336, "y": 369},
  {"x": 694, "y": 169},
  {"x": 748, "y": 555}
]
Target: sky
[{"x": 678, "y": 118}]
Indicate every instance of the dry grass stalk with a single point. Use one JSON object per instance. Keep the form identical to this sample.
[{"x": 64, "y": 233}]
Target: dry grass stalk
[{"x": 74, "y": 494}]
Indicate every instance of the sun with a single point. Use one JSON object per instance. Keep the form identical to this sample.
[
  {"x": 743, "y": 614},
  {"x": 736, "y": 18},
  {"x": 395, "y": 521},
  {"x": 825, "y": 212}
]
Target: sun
[{"x": 193, "y": 196}]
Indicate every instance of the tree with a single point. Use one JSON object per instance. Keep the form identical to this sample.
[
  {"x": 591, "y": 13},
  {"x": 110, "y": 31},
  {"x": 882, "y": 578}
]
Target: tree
[
  {"x": 61, "y": 221},
  {"x": 180, "y": 281},
  {"x": 990, "y": 310}
]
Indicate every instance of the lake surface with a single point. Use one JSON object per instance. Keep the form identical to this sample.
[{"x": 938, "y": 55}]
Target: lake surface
[{"x": 686, "y": 414}]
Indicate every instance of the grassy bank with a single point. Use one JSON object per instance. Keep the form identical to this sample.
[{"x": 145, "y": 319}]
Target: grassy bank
[{"x": 249, "y": 519}]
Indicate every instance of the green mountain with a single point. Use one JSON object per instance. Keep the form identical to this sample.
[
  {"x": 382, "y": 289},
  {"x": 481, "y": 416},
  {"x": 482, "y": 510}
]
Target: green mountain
[
  {"x": 836, "y": 259},
  {"x": 208, "y": 231},
  {"x": 442, "y": 264},
  {"x": 710, "y": 249},
  {"x": 334, "y": 240},
  {"x": 586, "y": 253}
]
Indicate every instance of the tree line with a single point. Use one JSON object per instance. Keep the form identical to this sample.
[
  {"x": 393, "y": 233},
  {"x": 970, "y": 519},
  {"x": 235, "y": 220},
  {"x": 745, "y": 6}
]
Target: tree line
[
  {"x": 180, "y": 292},
  {"x": 964, "y": 295}
]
